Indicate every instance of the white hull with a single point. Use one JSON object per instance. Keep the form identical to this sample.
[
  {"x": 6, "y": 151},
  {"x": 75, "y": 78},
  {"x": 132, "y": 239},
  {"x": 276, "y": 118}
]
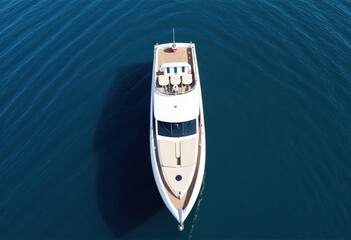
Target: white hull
[{"x": 179, "y": 204}]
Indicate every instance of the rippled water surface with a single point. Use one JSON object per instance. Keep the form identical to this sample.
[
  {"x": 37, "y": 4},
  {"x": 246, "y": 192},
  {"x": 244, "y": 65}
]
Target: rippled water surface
[{"x": 74, "y": 103}]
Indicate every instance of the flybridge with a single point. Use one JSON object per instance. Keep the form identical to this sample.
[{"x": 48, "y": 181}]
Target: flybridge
[{"x": 175, "y": 77}]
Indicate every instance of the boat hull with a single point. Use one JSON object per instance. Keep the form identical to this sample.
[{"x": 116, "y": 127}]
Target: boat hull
[{"x": 180, "y": 206}]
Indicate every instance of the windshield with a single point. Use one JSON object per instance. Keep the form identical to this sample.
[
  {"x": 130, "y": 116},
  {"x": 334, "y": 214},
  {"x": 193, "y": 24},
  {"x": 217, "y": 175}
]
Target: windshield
[{"x": 180, "y": 129}]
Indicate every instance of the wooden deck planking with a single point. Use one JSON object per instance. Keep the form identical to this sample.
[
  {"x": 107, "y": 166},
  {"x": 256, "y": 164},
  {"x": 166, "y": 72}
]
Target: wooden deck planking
[
  {"x": 183, "y": 202},
  {"x": 182, "y": 54}
]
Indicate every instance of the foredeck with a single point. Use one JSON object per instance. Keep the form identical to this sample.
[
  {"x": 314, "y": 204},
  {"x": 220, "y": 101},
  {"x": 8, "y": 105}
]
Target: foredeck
[
  {"x": 181, "y": 79},
  {"x": 182, "y": 202}
]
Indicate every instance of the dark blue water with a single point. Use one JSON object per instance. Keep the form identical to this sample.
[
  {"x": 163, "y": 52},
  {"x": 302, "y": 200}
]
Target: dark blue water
[{"x": 74, "y": 103}]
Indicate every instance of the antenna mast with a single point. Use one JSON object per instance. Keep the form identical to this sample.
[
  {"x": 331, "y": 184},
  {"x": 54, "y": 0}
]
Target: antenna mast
[
  {"x": 173, "y": 36},
  {"x": 174, "y": 46}
]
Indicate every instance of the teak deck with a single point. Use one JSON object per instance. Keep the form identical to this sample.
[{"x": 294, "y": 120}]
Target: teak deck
[
  {"x": 183, "y": 202},
  {"x": 182, "y": 54}
]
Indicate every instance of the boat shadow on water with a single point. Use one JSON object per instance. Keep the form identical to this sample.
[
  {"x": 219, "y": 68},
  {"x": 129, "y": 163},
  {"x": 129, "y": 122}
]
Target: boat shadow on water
[{"x": 126, "y": 191}]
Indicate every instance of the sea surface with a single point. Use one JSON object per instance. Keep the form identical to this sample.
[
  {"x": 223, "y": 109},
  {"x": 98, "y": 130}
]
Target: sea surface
[{"x": 74, "y": 116}]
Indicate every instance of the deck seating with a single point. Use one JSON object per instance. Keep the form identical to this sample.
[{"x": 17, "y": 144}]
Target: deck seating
[
  {"x": 187, "y": 79},
  {"x": 188, "y": 152},
  {"x": 175, "y": 79},
  {"x": 167, "y": 153},
  {"x": 177, "y": 74},
  {"x": 163, "y": 80}
]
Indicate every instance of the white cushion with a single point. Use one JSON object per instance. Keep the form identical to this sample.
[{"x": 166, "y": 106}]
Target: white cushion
[
  {"x": 163, "y": 80},
  {"x": 175, "y": 79},
  {"x": 187, "y": 79}
]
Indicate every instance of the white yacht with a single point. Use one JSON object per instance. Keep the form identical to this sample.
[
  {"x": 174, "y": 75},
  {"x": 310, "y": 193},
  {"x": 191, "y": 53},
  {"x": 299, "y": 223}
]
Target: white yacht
[{"x": 177, "y": 128}]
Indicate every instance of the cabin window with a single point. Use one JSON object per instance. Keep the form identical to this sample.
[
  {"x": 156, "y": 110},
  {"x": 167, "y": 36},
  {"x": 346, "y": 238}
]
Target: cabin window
[
  {"x": 175, "y": 70},
  {"x": 183, "y": 69},
  {"x": 180, "y": 129},
  {"x": 168, "y": 71}
]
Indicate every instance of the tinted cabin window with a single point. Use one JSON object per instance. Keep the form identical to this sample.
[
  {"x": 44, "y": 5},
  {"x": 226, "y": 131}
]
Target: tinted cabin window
[
  {"x": 168, "y": 70},
  {"x": 175, "y": 70},
  {"x": 183, "y": 69},
  {"x": 180, "y": 129}
]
